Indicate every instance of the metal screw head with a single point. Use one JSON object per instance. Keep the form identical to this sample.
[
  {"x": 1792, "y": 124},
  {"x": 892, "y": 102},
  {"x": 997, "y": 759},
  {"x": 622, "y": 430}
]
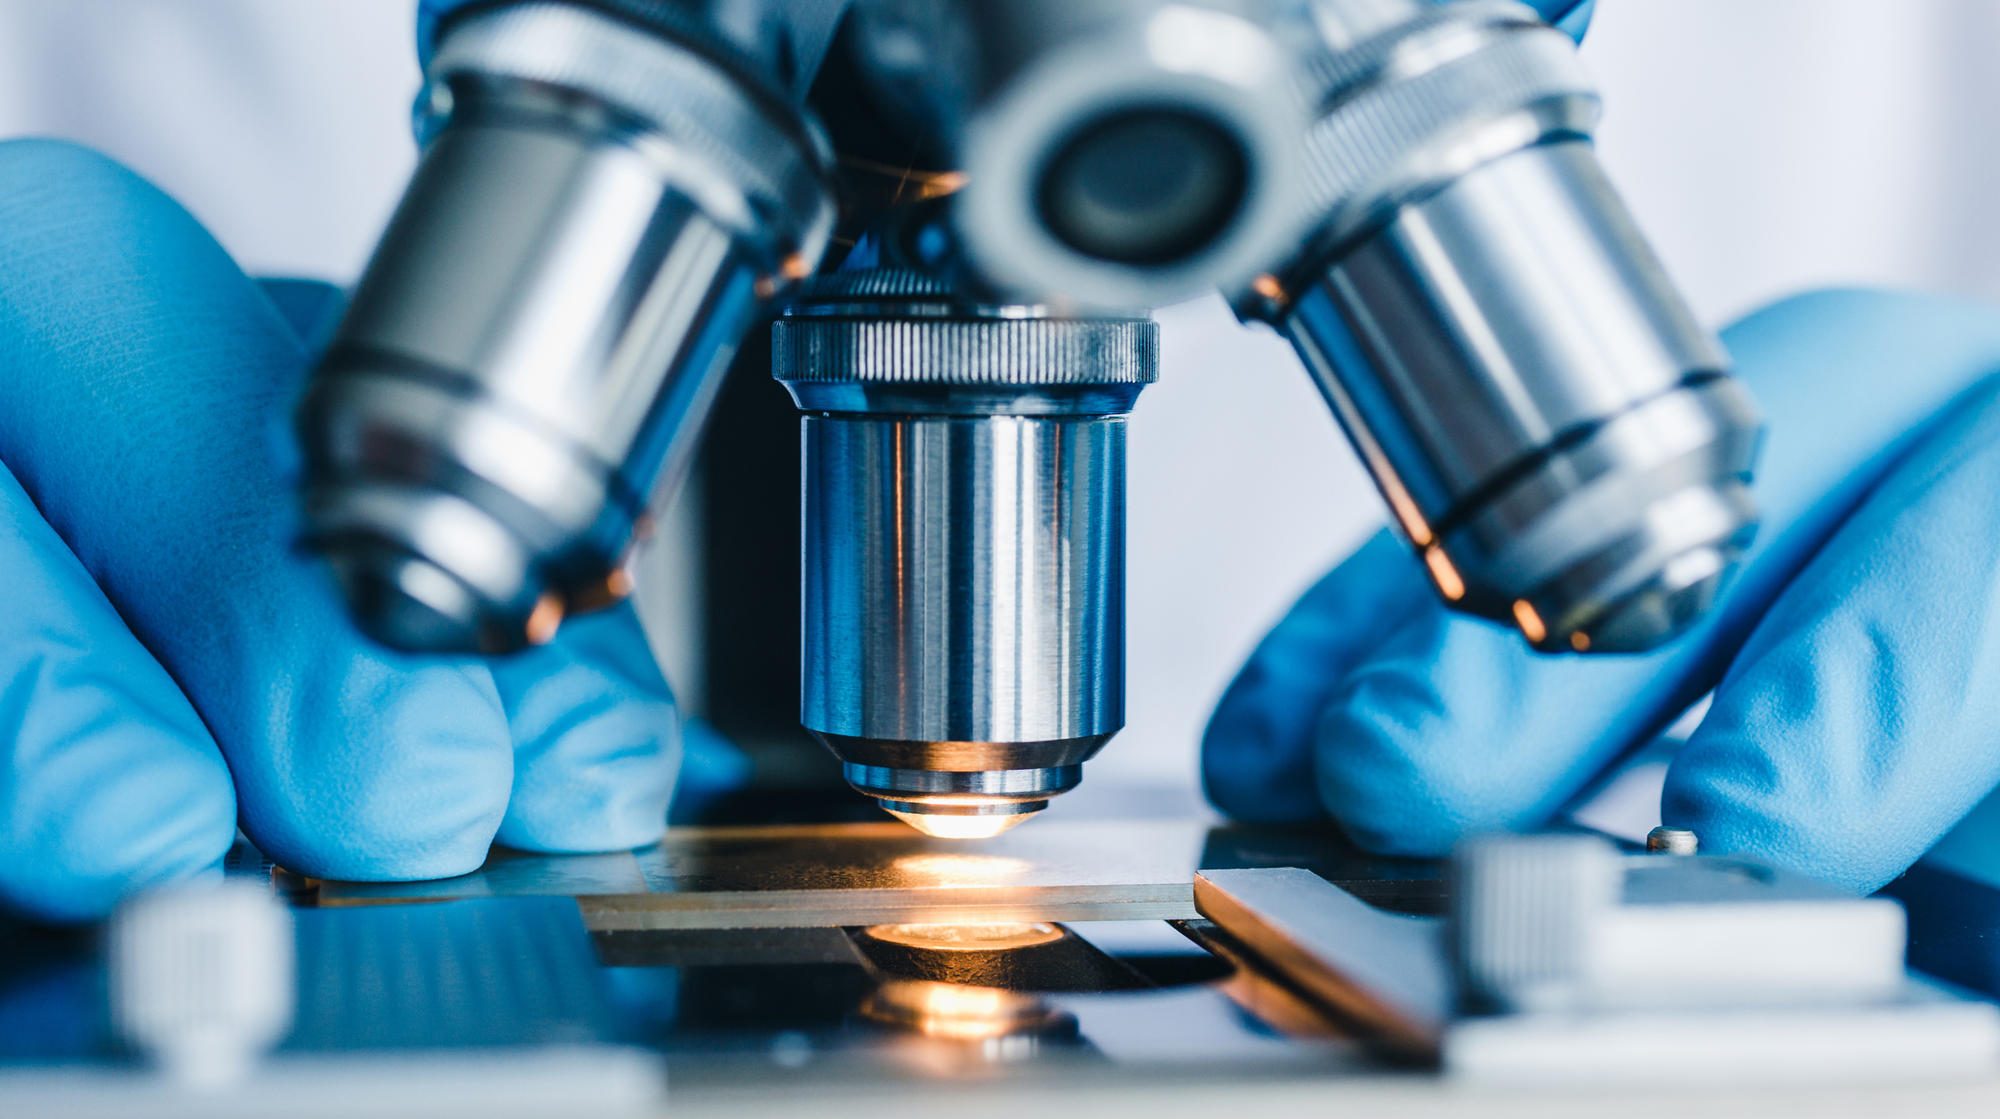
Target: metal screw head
[{"x": 1664, "y": 840}]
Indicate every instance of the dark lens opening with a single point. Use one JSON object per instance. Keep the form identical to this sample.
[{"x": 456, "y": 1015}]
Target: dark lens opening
[{"x": 1144, "y": 186}]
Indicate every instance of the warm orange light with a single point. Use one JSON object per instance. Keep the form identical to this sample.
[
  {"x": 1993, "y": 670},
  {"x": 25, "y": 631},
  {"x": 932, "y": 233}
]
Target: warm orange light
[
  {"x": 941, "y": 184},
  {"x": 941, "y": 826},
  {"x": 616, "y": 587},
  {"x": 1268, "y": 286},
  {"x": 1580, "y": 641},
  {"x": 1530, "y": 622},
  {"x": 1001, "y": 937},
  {"x": 947, "y": 869},
  {"x": 1449, "y": 582},
  {"x": 1414, "y": 525},
  {"x": 953, "y": 1011},
  {"x": 545, "y": 619}
]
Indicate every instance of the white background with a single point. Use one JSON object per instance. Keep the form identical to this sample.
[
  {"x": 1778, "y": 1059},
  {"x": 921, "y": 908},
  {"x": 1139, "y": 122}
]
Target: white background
[{"x": 1767, "y": 145}]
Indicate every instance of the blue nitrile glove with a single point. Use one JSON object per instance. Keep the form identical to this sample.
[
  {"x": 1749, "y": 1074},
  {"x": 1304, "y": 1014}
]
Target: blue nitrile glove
[
  {"x": 1572, "y": 16},
  {"x": 169, "y": 666},
  {"x": 1855, "y": 658}
]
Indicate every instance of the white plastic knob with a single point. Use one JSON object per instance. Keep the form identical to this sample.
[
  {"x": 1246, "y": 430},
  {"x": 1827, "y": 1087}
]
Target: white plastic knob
[{"x": 203, "y": 979}]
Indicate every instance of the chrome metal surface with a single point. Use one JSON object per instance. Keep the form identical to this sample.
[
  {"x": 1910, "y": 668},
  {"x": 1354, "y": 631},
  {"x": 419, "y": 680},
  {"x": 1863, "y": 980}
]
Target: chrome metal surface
[
  {"x": 1553, "y": 431},
  {"x": 987, "y": 792},
  {"x": 530, "y": 355},
  {"x": 1672, "y": 841},
  {"x": 960, "y": 578},
  {"x": 1115, "y": 153},
  {"x": 1381, "y": 973},
  {"x": 964, "y": 539}
]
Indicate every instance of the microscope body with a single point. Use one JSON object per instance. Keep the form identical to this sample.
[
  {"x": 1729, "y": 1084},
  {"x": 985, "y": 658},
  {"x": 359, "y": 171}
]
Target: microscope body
[{"x": 614, "y": 192}]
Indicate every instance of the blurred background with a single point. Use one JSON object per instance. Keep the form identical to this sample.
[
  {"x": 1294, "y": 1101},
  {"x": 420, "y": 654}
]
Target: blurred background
[{"x": 1767, "y": 146}]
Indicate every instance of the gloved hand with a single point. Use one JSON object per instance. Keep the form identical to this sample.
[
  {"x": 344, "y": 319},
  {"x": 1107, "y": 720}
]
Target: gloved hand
[
  {"x": 1572, "y": 16},
  {"x": 169, "y": 667},
  {"x": 1855, "y": 659}
]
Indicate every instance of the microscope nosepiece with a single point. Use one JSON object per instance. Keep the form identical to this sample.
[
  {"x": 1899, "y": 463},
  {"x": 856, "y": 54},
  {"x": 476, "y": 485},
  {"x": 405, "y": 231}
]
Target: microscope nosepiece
[
  {"x": 1554, "y": 432},
  {"x": 601, "y": 208},
  {"x": 964, "y": 541},
  {"x": 1114, "y": 153}
]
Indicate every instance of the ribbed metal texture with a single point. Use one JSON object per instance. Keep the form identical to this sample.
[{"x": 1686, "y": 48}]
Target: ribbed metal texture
[
  {"x": 870, "y": 283},
  {"x": 1387, "y": 35},
  {"x": 1523, "y": 911},
  {"x": 1377, "y": 115},
  {"x": 1028, "y": 352}
]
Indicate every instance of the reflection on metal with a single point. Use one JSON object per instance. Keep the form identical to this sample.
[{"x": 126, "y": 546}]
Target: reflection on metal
[
  {"x": 847, "y": 875},
  {"x": 1017, "y": 956},
  {"x": 972, "y": 995},
  {"x": 1264, "y": 996},
  {"x": 1532, "y": 626},
  {"x": 967, "y": 938},
  {"x": 1382, "y": 973},
  {"x": 961, "y": 1013},
  {"x": 963, "y": 536},
  {"x": 1449, "y": 583}
]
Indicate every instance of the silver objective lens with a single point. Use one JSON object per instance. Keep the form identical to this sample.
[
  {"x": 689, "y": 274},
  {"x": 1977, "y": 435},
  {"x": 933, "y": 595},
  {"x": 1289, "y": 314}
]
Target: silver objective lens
[
  {"x": 964, "y": 544},
  {"x": 601, "y": 206},
  {"x": 1552, "y": 429},
  {"x": 1115, "y": 153}
]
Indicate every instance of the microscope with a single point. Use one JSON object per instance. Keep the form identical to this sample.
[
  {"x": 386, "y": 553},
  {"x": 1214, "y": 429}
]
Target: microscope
[{"x": 614, "y": 193}]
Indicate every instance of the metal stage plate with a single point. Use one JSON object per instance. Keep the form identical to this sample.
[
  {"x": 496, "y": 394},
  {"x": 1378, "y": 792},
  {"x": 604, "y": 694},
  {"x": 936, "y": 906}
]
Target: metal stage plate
[
  {"x": 846, "y": 874},
  {"x": 819, "y": 875}
]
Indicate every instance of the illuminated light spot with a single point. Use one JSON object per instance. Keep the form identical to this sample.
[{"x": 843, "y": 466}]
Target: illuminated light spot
[
  {"x": 1580, "y": 641},
  {"x": 1000, "y": 937},
  {"x": 942, "y": 183},
  {"x": 1530, "y": 622},
  {"x": 953, "y": 1011},
  {"x": 940, "y": 869},
  {"x": 1414, "y": 525},
  {"x": 796, "y": 267},
  {"x": 943, "y": 826},
  {"x": 545, "y": 619},
  {"x": 1268, "y": 286},
  {"x": 1449, "y": 582},
  {"x": 611, "y": 590}
]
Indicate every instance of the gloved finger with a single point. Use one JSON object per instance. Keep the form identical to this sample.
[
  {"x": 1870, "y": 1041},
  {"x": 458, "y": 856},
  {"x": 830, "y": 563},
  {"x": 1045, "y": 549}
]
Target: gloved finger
[
  {"x": 312, "y": 308},
  {"x": 1452, "y": 726},
  {"x": 596, "y": 738},
  {"x": 108, "y": 781},
  {"x": 146, "y": 371},
  {"x": 711, "y": 768},
  {"x": 1571, "y": 17},
  {"x": 1858, "y": 722},
  {"x": 1256, "y": 760}
]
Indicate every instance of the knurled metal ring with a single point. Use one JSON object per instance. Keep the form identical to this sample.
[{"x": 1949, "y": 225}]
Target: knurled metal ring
[
  {"x": 1394, "y": 108},
  {"x": 1014, "y": 352},
  {"x": 904, "y": 327}
]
